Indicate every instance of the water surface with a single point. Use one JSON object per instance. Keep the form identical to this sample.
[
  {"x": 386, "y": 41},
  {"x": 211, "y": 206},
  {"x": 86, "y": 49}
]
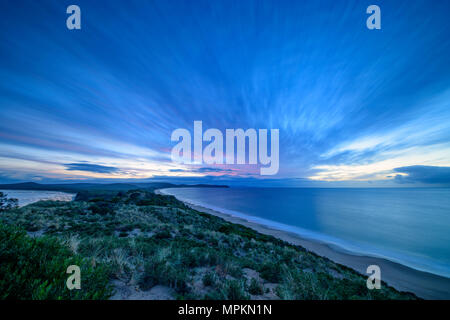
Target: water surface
[{"x": 29, "y": 196}]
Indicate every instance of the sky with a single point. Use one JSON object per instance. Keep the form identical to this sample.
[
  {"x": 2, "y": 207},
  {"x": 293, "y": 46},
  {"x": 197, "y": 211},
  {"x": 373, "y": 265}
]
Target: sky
[{"x": 354, "y": 107}]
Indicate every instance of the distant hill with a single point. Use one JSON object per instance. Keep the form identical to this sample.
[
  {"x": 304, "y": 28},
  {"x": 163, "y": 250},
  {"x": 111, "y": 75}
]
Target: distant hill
[{"x": 76, "y": 187}]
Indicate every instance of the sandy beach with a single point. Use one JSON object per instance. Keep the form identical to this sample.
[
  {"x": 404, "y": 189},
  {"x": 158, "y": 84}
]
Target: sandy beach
[
  {"x": 25, "y": 197},
  {"x": 425, "y": 285}
]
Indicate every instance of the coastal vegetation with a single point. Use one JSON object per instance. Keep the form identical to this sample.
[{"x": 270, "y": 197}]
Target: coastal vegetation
[
  {"x": 7, "y": 203},
  {"x": 139, "y": 239},
  {"x": 35, "y": 268}
]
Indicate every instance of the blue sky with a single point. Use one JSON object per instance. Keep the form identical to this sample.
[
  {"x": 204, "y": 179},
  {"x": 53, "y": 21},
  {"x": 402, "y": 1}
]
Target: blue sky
[{"x": 354, "y": 106}]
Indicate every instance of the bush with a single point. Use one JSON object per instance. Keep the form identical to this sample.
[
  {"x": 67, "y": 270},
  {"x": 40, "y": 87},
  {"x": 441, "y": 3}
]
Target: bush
[
  {"x": 255, "y": 287},
  {"x": 36, "y": 269},
  {"x": 228, "y": 290},
  {"x": 101, "y": 208},
  {"x": 163, "y": 234},
  {"x": 271, "y": 272},
  {"x": 159, "y": 271},
  {"x": 235, "y": 290},
  {"x": 7, "y": 203},
  {"x": 209, "y": 279}
]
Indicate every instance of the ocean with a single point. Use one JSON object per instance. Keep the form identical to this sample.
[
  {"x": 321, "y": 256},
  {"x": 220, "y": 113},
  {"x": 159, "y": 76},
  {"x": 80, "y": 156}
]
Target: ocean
[
  {"x": 29, "y": 196},
  {"x": 410, "y": 226}
]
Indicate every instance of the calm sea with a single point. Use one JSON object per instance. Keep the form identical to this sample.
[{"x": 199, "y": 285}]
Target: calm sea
[
  {"x": 409, "y": 226},
  {"x": 29, "y": 196}
]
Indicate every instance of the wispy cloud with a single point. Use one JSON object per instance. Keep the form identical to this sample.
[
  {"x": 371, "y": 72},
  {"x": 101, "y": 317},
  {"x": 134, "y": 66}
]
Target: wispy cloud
[
  {"x": 424, "y": 174},
  {"x": 90, "y": 167},
  {"x": 350, "y": 104},
  {"x": 422, "y": 140},
  {"x": 203, "y": 169}
]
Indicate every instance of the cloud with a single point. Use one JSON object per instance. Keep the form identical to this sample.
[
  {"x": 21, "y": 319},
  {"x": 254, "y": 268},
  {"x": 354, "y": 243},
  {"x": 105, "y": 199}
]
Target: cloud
[
  {"x": 206, "y": 169},
  {"x": 90, "y": 167},
  {"x": 202, "y": 170},
  {"x": 344, "y": 111},
  {"x": 423, "y": 174}
]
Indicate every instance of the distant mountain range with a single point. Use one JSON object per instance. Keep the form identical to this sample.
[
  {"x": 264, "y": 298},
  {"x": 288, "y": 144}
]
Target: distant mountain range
[{"x": 76, "y": 187}]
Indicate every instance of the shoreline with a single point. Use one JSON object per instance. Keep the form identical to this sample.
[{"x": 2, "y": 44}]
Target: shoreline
[
  {"x": 61, "y": 196},
  {"x": 403, "y": 278}
]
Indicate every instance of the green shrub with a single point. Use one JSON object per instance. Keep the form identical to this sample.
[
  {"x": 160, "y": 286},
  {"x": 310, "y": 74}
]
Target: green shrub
[
  {"x": 158, "y": 271},
  {"x": 271, "y": 272},
  {"x": 7, "y": 203},
  {"x": 209, "y": 279},
  {"x": 234, "y": 270},
  {"x": 101, "y": 208},
  {"x": 163, "y": 234},
  {"x": 235, "y": 290},
  {"x": 255, "y": 287},
  {"x": 36, "y": 269},
  {"x": 228, "y": 290}
]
